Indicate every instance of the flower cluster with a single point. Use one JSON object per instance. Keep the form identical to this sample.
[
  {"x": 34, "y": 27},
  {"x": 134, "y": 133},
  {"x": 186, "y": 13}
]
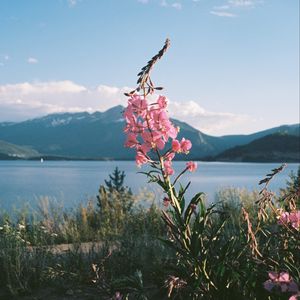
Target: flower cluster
[
  {"x": 149, "y": 128},
  {"x": 281, "y": 282},
  {"x": 290, "y": 218}
]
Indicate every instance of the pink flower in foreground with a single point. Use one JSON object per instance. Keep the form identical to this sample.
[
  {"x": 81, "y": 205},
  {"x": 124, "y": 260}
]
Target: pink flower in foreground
[
  {"x": 162, "y": 102},
  {"x": 186, "y": 145},
  {"x": 140, "y": 158},
  {"x": 169, "y": 156},
  {"x": 284, "y": 218},
  {"x": 176, "y": 147},
  {"x": 295, "y": 297},
  {"x": 131, "y": 141},
  {"x": 149, "y": 128},
  {"x": 168, "y": 168},
  {"x": 295, "y": 219},
  {"x": 191, "y": 166},
  {"x": 282, "y": 280},
  {"x": 290, "y": 218}
]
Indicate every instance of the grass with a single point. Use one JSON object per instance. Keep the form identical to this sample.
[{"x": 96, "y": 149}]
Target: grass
[{"x": 113, "y": 245}]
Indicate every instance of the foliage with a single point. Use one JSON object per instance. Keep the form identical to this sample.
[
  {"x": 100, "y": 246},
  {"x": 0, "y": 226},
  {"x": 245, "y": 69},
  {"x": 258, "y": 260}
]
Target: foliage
[{"x": 221, "y": 253}]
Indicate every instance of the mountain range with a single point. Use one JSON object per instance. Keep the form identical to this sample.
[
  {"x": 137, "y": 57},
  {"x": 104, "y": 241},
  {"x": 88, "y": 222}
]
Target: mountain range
[{"x": 100, "y": 136}]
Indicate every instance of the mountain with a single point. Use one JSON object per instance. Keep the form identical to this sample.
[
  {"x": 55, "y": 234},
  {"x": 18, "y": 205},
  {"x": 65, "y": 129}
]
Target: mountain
[
  {"x": 100, "y": 136},
  {"x": 11, "y": 151},
  {"x": 278, "y": 147}
]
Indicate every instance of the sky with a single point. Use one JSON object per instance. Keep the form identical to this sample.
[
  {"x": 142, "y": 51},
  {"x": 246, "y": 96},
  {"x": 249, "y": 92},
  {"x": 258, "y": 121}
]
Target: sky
[{"x": 232, "y": 68}]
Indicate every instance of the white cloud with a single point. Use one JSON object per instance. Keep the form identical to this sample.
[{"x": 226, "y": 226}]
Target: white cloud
[
  {"x": 221, "y": 7},
  {"x": 28, "y": 100},
  {"x": 207, "y": 121},
  {"x": 6, "y": 57},
  {"x": 243, "y": 3},
  {"x": 72, "y": 2},
  {"x": 231, "y": 8},
  {"x": 32, "y": 60},
  {"x": 163, "y": 3},
  {"x": 143, "y": 1},
  {"x": 223, "y": 14},
  {"x": 177, "y": 5}
]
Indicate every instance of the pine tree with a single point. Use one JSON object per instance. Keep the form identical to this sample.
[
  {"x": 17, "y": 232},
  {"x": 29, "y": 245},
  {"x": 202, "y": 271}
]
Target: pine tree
[{"x": 115, "y": 202}]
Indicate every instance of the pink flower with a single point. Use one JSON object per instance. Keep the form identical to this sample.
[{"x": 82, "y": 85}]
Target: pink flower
[
  {"x": 186, "y": 145},
  {"x": 148, "y": 127},
  {"x": 162, "y": 102},
  {"x": 290, "y": 218},
  {"x": 284, "y": 218},
  {"x": 131, "y": 141},
  {"x": 140, "y": 158},
  {"x": 176, "y": 147},
  {"x": 191, "y": 166},
  {"x": 295, "y": 219},
  {"x": 295, "y": 297},
  {"x": 169, "y": 156},
  {"x": 153, "y": 140},
  {"x": 168, "y": 168},
  {"x": 139, "y": 105},
  {"x": 283, "y": 280}
]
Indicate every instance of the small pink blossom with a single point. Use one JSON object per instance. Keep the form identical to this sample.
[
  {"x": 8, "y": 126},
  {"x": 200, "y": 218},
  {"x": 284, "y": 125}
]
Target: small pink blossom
[
  {"x": 186, "y": 145},
  {"x": 284, "y": 218},
  {"x": 290, "y": 218},
  {"x": 140, "y": 158},
  {"x": 139, "y": 105},
  {"x": 169, "y": 156},
  {"x": 295, "y": 219},
  {"x": 162, "y": 102},
  {"x": 131, "y": 141},
  {"x": 176, "y": 147},
  {"x": 295, "y": 297},
  {"x": 191, "y": 166},
  {"x": 168, "y": 170},
  {"x": 283, "y": 280}
]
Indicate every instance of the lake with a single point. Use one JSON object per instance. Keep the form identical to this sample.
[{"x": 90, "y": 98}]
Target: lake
[{"x": 73, "y": 182}]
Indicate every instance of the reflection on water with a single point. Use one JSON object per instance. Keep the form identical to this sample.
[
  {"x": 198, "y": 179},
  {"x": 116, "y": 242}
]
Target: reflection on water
[{"x": 72, "y": 182}]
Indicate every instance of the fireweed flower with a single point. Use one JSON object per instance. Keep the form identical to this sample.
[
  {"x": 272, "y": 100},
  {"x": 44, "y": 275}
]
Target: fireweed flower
[
  {"x": 149, "y": 128},
  {"x": 191, "y": 166},
  {"x": 295, "y": 219},
  {"x": 282, "y": 281},
  {"x": 186, "y": 145},
  {"x": 162, "y": 102},
  {"x": 176, "y": 146},
  {"x": 168, "y": 168},
  {"x": 290, "y": 218}
]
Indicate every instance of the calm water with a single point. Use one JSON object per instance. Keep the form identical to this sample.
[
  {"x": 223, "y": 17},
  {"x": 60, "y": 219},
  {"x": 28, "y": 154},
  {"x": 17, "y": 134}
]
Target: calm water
[{"x": 72, "y": 182}]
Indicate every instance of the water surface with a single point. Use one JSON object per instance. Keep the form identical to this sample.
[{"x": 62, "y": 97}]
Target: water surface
[{"x": 73, "y": 182}]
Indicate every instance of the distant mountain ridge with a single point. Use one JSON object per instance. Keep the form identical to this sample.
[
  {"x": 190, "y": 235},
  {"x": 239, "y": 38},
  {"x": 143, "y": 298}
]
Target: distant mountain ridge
[
  {"x": 277, "y": 147},
  {"x": 100, "y": 136}
]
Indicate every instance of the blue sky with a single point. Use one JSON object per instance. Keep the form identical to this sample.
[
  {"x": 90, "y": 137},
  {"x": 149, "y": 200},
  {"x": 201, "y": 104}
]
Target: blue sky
[{"x": 233, "y": 65}]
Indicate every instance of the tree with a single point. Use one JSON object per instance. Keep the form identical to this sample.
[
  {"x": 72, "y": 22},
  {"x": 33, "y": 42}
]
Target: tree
[{"x": 115, "y": 202}]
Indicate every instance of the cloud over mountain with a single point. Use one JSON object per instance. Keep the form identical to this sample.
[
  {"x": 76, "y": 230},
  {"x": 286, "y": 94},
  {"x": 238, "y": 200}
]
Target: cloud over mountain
[{"x": 28, "y": 100}]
